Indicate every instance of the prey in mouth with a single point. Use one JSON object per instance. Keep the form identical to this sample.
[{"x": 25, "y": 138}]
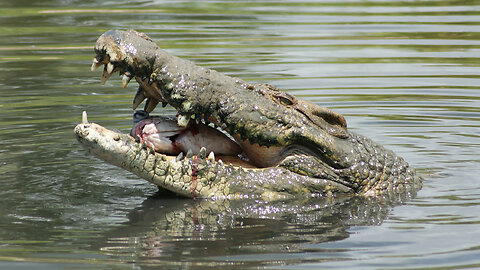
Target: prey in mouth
[
  {"x": 197, "y": 94},
  {"x": 270, "y": 142},
  {"x": 164, "y": 135}
]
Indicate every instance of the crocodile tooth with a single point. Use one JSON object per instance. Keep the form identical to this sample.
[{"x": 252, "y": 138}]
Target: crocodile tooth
[
  {"x": 220, "y": 162},
  {"x": 189, "y": 153},
  {"x": 84, "y": 117},
  {"x": 211, "y": 156},
  {"x": 150, "y": 104},
  {"x": 203, "y": 153},
  {"x": 183, "y": 120},
  {"x": 164, "y": 104},
  {"x": 125, "y": 80},
  {"x": 139, "y": 97},
  {"x": 105, "y": 75},
  {"x": 179, "y": 157},
  {"x": 95, "y": 64},
  {"x": 110, "y": 67}
]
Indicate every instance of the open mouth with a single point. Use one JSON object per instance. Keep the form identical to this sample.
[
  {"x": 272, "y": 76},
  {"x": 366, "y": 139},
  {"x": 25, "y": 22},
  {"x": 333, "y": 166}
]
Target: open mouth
[
  {"x": 267, "y": 124},
  {"x": 289, "y": 145},
  {"x": 182, "y": 135}
]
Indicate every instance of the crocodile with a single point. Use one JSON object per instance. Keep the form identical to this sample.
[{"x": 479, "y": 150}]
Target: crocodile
[{"x": 290, "y": 147}]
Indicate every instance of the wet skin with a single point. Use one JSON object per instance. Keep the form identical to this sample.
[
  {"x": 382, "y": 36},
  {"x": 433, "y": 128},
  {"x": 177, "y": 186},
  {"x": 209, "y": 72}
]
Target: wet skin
[{"x": 296, "y": 147}]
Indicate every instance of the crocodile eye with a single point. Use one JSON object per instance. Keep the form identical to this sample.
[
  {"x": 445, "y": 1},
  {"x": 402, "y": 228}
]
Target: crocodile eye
[{"x": 284, "y": 99}]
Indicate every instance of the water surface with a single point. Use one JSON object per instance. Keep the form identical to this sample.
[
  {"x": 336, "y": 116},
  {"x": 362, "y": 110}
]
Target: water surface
[{"x": 404, "y": 73}]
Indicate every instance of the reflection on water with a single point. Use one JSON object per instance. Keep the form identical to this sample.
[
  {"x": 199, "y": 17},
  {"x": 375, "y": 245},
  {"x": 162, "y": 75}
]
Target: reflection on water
[
  {"x": 181, "y": 232},
  {"x": 405, "y": 73}
]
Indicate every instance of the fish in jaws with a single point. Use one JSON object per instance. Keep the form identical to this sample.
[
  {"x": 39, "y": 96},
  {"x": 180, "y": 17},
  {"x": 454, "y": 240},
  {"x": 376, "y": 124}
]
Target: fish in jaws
[
  {"x": 164, "y": 135},
  {"x": 289, "y": 146}
]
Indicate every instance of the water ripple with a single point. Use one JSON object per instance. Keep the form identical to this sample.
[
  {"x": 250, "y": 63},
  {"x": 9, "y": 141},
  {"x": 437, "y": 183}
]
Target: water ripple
[{"x": 404, "y": 73}]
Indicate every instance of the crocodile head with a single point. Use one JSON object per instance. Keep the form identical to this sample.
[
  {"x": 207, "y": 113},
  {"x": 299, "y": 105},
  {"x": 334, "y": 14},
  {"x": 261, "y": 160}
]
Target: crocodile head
[{"x": 294, "y": 140}]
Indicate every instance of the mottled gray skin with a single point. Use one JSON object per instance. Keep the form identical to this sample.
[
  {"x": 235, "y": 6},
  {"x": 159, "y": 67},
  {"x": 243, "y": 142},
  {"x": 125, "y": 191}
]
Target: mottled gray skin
[{"x": 316, "y": 152}]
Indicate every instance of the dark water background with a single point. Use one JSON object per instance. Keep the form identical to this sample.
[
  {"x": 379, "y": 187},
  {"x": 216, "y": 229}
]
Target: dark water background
[{"x": 405, "y": 73}]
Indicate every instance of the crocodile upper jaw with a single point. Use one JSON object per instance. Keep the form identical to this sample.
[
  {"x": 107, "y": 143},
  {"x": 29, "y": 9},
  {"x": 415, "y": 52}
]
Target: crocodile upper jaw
[{"x": 120, "y": 57}]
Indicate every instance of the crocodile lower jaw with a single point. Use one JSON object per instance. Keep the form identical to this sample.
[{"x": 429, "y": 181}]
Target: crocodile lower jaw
[{"x": 96, "y": 138}]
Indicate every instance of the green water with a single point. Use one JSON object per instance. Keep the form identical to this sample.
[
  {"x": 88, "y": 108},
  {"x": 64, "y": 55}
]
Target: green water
[{"x": 405, "y": 73}]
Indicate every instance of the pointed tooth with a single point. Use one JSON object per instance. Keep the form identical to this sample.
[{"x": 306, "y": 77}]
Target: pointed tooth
[
  {"x": 105, "y": 75},
  {"x": 211, "y": 156},
  {"x": 125, "y": 80},
  {"x": 150, "y": 105},
  {"x": 139, "y": 97},
  {"x": 189, "y": 153},
  {"x": 84, "y": 117},
  {"x": 179, "y": 157},
  {"x": 164, "y": 104},
  {"x": 220, "y": 162},
  {"x": 96, "y": 64},
  {"x": 202, "y": 153},
  {"x": 110, "y": 68},
  {"x": 183, "y": 120}
]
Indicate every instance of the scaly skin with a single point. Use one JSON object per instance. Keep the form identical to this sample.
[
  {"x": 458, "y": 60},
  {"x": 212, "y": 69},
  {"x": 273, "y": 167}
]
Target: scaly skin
[
  {"x": 198, "y": 176},
  {"x": 299, "y": 147}
]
